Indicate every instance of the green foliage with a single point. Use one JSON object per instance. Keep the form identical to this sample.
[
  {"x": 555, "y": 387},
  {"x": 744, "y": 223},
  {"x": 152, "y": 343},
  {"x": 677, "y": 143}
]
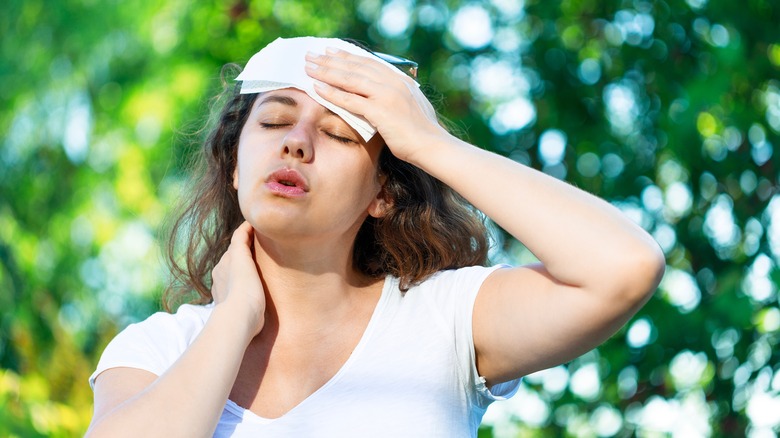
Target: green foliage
[{"x": 669, "y": 109}]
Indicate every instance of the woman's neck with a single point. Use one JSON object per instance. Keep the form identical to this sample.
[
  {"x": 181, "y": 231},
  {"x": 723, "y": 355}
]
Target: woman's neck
[{"x": 311, "y": 284}]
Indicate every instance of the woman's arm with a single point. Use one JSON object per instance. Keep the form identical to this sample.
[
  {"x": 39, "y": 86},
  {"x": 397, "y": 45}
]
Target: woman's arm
[
  {"x": 187, "y": 400},
  {"x": 597, "y": 267}
]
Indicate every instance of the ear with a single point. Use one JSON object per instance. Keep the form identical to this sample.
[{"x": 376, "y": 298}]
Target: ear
[
  {"x": 382, "y": 203},
  {"x": 235, "y": 177},
  {"x": 379, "y": 208}
]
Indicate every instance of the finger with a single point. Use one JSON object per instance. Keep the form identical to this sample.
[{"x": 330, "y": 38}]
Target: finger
[
  {"x": 242, "y": 241},
  {"x": 340, "y": 60},
  {"x": 376, "y": 64},
  {"x": 243, "y": 234},
  {"x": 347, "y": 61},
  {"x": 348, "y": 100},
  {"x": 349, "y": 80},
  {"x": 358, "y": 74},
  {"x": 354, "y": 91}
]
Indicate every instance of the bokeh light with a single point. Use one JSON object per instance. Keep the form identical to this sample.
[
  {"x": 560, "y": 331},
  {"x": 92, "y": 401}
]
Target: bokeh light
[{"x": 671, "y": 112}]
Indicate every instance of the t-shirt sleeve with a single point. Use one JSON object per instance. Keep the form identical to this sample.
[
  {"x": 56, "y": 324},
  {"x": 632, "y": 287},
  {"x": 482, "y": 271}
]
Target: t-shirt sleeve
[
  {"x": 457, "y": 290},
  {"x": 154, "y": 344}
]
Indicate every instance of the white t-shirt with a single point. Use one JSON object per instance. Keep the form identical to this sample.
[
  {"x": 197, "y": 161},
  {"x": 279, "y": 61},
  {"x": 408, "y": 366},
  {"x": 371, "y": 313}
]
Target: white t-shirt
[{"x": 412, "y": 373}]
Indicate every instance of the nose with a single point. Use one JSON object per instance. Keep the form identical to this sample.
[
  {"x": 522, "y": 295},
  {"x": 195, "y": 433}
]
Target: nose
[{"x": 298, "y": 143}]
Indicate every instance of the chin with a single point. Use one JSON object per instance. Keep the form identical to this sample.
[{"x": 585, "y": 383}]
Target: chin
[{"x": 275, "y": 227}]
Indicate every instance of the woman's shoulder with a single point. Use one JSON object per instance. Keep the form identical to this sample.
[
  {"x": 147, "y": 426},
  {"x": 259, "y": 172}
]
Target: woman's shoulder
[
  {"x": 464, "y": 278},
  {"x": 188, "y": 320},
  {"x": 451, "y": 289},
  {"x": 164, "y": 330},
  {"x": 191, "y": 312},
  {"x": 156, "y": 342}
]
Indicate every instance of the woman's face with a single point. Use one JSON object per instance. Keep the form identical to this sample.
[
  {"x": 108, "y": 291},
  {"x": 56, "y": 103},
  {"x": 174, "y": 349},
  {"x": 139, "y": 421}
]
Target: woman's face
[{"x": 302, "y": 172}]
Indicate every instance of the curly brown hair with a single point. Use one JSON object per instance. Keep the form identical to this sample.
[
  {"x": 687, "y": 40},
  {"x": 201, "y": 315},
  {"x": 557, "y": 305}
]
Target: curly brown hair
[{"x": 428, "y": 227}]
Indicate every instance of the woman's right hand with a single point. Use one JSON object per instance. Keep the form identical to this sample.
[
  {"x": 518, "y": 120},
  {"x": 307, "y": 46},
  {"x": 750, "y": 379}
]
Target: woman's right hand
[
  {"x": 236, "y": 280},
  {"x": 131, "y": 402}
]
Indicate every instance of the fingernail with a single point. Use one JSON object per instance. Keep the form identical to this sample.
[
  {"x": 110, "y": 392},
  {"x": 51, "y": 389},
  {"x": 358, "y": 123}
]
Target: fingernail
[
  {"x": 312, "y": 55},
  {"x": 332, "y": 51},
  {"x": 311, "y": 66}
]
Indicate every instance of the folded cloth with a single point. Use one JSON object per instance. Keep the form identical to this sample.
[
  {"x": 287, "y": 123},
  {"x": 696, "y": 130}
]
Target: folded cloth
[{"x": 281, "y": 65}]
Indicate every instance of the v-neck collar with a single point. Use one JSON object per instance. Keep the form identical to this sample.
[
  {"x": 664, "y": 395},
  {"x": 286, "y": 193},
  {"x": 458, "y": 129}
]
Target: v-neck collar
[{"x": 247, "y": 415}]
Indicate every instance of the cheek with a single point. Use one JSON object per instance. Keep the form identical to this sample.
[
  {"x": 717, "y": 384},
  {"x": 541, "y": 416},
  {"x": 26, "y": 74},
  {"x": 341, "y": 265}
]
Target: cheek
[
  {"x": 369, "y": 183},
  {"x": 244, "y": 173},
  {"x": 247, "y": 161},
  {"x": 238, "y": 172},
  {"x": 350, "y": 178}
]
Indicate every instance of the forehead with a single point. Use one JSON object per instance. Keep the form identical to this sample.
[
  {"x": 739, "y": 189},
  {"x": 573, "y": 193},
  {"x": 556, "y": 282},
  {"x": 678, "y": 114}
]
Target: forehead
[{"x": 292, "y": 98}]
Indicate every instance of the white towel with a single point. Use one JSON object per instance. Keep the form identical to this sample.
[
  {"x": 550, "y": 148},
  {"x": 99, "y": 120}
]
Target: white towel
[{"x": 281, "y": 65}]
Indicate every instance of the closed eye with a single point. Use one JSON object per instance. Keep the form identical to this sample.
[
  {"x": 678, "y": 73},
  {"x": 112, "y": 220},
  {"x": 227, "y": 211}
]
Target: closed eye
[
  {"x": 339, "y": 138},
  {"x": 273, "y": 125}
]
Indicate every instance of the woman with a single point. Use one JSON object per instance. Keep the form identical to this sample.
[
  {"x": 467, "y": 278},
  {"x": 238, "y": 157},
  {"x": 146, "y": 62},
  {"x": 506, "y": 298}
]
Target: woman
[{"x": 349, "y": 299}]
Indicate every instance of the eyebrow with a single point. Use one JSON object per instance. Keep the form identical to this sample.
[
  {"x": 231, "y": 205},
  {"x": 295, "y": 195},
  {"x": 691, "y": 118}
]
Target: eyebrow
[{"x": 286, "y": 100}]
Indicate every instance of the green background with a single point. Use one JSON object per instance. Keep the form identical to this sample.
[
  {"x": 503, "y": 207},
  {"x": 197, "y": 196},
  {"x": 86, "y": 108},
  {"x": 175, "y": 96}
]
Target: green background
[{"x": 669, "y": 109}]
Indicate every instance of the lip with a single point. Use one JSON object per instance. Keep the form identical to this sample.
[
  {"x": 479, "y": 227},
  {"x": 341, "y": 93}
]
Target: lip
[{"x": 287, "y": 182}]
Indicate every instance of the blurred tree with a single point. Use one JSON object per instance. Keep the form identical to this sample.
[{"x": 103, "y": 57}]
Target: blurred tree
[{"x": 669, "y": 109}]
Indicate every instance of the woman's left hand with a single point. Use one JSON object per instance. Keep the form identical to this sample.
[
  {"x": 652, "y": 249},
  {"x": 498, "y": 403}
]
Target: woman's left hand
[{"x": 393, "y": 103}]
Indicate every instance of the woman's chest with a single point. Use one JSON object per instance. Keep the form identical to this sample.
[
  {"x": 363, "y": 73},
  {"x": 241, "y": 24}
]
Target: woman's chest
[
  {"x": 393, "y": 366},
  {"x": 411, "y": 391}
]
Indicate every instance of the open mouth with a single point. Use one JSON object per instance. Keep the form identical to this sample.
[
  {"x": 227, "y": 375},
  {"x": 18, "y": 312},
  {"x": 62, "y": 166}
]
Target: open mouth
[{"x": 288, "y": 181}]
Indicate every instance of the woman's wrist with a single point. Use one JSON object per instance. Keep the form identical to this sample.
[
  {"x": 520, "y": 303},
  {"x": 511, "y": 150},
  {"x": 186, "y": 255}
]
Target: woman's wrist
[
  {"x": 440, "y": 154},
  {"x": 238, "y": 321}
]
